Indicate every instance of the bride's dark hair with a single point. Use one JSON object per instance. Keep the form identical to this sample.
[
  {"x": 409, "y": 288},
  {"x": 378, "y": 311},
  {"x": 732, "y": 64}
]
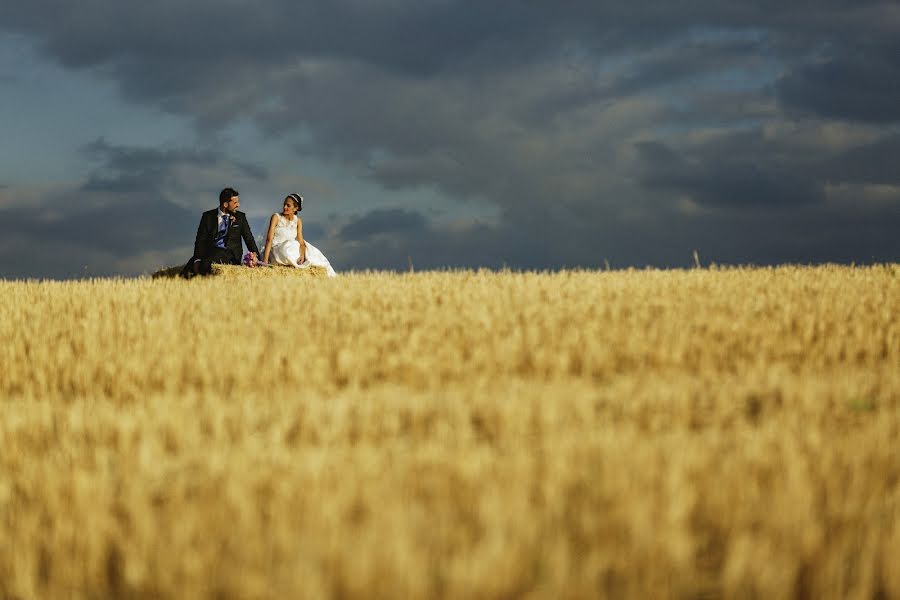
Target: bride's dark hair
[{"x": 298, "y": 200}]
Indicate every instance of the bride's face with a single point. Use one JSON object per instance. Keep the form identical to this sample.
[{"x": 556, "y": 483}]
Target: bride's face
[{"x": 288, "y": 208}]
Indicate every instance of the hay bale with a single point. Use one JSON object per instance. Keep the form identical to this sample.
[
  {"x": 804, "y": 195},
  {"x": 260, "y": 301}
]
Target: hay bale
[{"x": 242, "y": 272}]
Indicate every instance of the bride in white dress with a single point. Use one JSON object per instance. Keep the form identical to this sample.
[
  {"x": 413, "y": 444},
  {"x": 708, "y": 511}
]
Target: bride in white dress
[{"x": 284, "y": 241}]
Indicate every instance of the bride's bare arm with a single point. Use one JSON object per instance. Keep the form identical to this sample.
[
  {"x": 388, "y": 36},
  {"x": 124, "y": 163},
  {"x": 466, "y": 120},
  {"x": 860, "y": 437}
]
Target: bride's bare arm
[
  {"x": 300, "y": 239},
  {"x": 269, "y": 237}
]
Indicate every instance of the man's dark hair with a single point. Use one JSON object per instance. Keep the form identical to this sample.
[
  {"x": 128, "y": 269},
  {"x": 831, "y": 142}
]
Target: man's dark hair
[{"x": 226, "y": 195}]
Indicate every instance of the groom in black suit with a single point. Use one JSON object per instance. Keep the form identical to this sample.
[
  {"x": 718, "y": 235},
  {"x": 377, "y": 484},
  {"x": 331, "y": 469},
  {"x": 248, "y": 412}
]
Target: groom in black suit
[{"x": 219, "y": 236}]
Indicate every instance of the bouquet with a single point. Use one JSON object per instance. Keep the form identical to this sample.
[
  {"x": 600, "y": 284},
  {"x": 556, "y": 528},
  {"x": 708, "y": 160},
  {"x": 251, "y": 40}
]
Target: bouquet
[{"x": 250, "y": 260}]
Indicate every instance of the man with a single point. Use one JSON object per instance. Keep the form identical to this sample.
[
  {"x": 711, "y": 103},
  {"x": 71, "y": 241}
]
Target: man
[{"x": 219, "y": 236}]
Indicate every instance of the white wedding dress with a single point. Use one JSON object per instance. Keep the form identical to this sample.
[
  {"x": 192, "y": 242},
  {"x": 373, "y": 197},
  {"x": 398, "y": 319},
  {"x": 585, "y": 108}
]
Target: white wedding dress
[{"x": 286, "y": 248}]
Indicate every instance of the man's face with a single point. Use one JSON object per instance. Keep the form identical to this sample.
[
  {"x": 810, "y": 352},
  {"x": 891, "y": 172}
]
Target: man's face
[{"x": 232, "y": 205}]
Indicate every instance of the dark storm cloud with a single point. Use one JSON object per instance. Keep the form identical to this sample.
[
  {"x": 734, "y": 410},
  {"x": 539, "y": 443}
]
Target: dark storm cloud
[
  {"x": 852, "y": 83},
  {"x": 582, "y": 125},
  {"x": 142, "y": 170},
  {"x": 166, "y": 48},
  {"x": 726, "y": 180},
  {"x": 745, "y": 169},
  {"x": 128, "y": 170},
  {"x": 382, "y": 221},
  {"x": 125, "y": 226},
  {"x": 874, "y": 163},
  {"x": 677, "y": 61}
]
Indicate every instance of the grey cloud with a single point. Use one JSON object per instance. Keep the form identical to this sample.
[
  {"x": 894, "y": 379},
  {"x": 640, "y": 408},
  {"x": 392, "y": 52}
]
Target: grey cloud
[
  {"x": 383, "y": 221},
  {"x": 311, "y": 231},
  {"x": 124, "y": 158},
  {"x": 180, "y": 178},
  {"x": 722, "y": 180},
  {"x": 417, "y": 38},
  {"x": 854, "y": 83},
  {"x": 747, "y": 168},
  {"x": 129, "y": 170},
  {"x": 680, "y": 60},
  {"x": 873, "y": 163},
  {"x": 126, "y": 226},
  {"x": 134, "y": 169}
]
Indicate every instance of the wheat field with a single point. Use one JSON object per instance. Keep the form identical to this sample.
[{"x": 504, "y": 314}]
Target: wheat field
[{"x": 720, "y": 432}]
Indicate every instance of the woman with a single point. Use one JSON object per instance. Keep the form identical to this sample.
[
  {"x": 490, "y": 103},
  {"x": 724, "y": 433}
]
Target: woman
[{"x": 285, "y": 243}]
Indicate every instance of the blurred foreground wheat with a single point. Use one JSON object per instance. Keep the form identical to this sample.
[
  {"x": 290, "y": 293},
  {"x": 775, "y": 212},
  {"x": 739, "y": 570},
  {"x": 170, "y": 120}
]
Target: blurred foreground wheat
[{"x": 725, "y": 432}]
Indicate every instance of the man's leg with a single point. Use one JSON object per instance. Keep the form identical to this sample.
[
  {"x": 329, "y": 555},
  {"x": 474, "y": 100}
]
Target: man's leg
[
  {"x": 190, "y": 268},
  {"x": 203, "y": 266},
  {"x": 217, "y": 256}
]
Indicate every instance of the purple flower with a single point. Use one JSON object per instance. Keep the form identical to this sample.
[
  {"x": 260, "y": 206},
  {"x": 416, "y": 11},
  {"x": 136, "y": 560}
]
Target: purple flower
[{"x": 250, "y": 260}]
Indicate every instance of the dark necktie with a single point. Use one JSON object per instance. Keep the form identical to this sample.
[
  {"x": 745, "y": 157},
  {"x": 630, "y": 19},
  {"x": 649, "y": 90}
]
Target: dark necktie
[{"x": 223, "y": 231}]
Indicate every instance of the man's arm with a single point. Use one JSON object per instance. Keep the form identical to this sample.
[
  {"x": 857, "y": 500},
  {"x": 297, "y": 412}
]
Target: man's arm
[
  {"x": 203, "y": 240},
  {"x": 248, "y": 236}
]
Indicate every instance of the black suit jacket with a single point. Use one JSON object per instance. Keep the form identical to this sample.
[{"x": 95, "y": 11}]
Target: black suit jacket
[{"x": 238, "y": 229}]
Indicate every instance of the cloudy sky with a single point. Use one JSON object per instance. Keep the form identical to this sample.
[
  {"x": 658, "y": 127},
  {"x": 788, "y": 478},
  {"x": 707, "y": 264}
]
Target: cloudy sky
[{"x": 452, "y": 133}]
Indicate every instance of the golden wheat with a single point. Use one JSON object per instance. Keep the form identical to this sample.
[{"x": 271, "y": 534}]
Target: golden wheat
[{"x": 716, "y": 432}]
